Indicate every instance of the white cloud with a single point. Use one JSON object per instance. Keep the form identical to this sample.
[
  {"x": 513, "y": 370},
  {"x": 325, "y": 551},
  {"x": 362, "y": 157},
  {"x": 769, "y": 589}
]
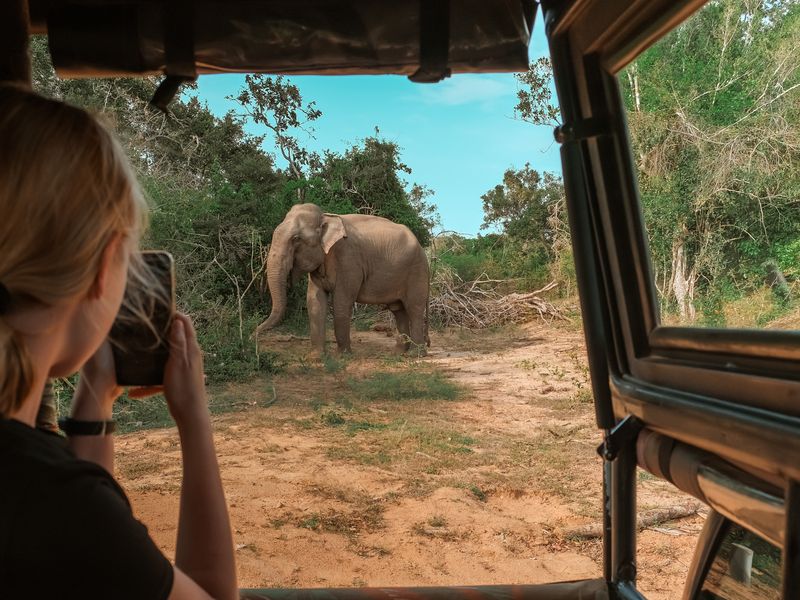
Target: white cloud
[{"x": 466, "y": 89}]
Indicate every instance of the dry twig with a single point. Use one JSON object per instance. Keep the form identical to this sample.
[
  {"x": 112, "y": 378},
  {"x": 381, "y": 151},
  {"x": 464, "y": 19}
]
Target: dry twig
[
  {"x": 647, "y": 519},
  {"x": 478, "y": 304}
]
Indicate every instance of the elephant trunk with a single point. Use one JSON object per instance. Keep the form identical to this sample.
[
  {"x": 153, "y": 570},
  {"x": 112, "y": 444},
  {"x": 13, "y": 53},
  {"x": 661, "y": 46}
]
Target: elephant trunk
[{"x": 279, "y": 263}]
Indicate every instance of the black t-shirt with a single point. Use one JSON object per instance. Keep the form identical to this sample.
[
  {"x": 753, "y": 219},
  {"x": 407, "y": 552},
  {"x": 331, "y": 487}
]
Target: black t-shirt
[{"x": 66, "y": 527}]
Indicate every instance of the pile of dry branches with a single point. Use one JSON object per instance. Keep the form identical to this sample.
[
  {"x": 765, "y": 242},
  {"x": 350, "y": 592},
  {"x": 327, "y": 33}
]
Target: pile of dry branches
[{"x": 478, "y": 304}]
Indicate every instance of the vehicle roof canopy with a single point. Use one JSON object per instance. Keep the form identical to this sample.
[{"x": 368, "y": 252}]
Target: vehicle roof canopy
[{"x": 424, "y": 39}]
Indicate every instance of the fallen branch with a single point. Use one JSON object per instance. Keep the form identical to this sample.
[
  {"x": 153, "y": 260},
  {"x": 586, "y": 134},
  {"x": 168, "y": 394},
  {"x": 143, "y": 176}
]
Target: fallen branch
[
  {"x": 649, "y": 518},
  {"x": 289, "y": 338},
  {"x": 478, "y": 304}
]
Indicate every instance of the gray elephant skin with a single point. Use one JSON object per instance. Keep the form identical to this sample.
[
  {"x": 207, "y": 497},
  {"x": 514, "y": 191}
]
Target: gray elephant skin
[{"x": 351, "y": 258}]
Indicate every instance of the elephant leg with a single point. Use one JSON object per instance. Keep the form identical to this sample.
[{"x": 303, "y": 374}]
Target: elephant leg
[
  {"x": 401, "y": 318},
  {"x": 342, "y": 316},
  {"x": 317, "y": 305},
  {"x": 417, "y": 329}
]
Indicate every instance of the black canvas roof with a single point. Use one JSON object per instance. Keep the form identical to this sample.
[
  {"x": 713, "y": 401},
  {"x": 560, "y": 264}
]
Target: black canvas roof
[{"x": 424, "y": 39}]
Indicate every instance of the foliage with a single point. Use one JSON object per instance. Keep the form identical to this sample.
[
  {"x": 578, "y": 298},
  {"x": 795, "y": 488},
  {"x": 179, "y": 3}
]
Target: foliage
[
  {"x": 366, "y": 179},
  {"x": 523, "y": 206},
  {"x": 713, "y": 114},
  {"x": 410, "y": 385},
  {"x": 276, "y": 104},
  {"x": 532, "y": 246},
  {"x": 535, "y": 98}
]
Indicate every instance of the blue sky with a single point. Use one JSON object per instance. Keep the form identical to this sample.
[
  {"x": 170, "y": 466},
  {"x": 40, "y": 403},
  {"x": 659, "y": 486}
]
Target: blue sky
[{"x": 458, "y": 136}]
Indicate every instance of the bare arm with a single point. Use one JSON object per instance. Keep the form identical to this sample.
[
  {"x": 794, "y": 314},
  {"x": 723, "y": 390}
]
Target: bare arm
[
  {"x": 93, "y": 401},
  {"x": 204, "y": 549},
  {"x": 204, "y": 559}
]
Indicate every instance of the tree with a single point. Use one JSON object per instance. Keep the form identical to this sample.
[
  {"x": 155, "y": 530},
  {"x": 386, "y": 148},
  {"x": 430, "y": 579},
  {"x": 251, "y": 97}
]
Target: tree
[
  {"x": 521, "y": 206},
  {"x": 277, "y": 104},
  {"x": 714, "y": 113},
  {"x": 367, "y": 179},
  {"x": 534, "y": 98},
  {"x": 529, "y": 208}
]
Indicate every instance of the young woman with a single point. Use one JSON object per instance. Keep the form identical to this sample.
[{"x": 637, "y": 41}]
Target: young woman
[{"x": 70, "y": 219}]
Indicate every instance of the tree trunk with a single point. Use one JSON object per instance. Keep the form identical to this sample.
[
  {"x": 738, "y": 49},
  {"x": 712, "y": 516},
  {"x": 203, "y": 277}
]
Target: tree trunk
[
  {"x": 683, "y": 279},
  {"x": 633, "y": 80}
]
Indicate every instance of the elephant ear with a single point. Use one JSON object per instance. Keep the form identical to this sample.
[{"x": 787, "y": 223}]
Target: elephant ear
[{"x": 331, "y": 231}]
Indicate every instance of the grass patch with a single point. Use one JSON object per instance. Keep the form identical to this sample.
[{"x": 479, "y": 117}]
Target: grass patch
[
  {"x": 146, "y": 413},
  {"x": 367, "y": 518},
  {"x": 134, "y": 414},
  {"x": 527, "y": 364},
  {"x": 311, "y": 522},
  {"x": 440, "y": 532},
  {"x": 334, "y": 418},
  {"x": 643, "y": 475},
  {"x": 437, "y": 521},
  {"x": 582, "y": 398},
  {"x": 404, "y": 386},
  {"x": 360, "y": 455},
  {"x": 353, "y": 427},
  {"x": 757, "y": 309},
  {"x": 277, "y": 523},
  {"x": 340, "y": 494},
  {"x": 550, "y": 462},
  {"x": 304, "y": 423},
  {"x": 472, "y": 488},
  {"x": 478, "y": 492},
  {"x": 227, "y": 357},
  {"x": 445, "y": 441},
  {"x": 416, "y": 446},
  {"x": 333, "y": 364},
  {"x": 584, "y": 395}
]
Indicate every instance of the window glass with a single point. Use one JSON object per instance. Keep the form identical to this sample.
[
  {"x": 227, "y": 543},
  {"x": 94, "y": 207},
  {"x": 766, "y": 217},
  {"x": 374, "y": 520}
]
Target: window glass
[
  {"x": 745, "y": 566},
  {"x": 714, "y": 116}
]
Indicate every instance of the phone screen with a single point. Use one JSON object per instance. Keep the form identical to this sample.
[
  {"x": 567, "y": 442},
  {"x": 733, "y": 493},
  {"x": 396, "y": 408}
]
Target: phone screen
[{"x": 139, "y": 339}]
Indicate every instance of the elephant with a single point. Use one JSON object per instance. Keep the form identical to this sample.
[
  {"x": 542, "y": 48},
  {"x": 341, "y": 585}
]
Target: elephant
[{"x": 353, "y": 258}]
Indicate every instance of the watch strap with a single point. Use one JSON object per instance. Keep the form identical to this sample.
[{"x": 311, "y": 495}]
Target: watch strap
[{"x": 76, "y": 427}]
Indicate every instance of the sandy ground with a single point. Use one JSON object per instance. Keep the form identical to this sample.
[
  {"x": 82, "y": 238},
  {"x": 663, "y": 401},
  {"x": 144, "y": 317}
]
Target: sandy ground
[{"x": 333, "y": 486}]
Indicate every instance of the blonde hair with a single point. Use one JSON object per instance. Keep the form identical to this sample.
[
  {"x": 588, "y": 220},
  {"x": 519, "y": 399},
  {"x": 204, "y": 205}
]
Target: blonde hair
[{"x": 66, "y": 189}]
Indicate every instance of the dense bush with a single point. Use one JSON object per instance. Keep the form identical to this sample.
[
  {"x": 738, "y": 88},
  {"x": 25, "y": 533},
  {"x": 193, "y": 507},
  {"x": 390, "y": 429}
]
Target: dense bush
[
  {"x": 532, "y": 244},
  {"x": 714, "y": 117}
]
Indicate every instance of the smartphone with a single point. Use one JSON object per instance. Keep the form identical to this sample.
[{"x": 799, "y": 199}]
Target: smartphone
[{"x": 139, "y": 337}]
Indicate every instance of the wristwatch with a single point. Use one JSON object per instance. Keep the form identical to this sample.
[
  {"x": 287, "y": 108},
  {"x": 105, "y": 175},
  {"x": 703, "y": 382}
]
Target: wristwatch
[{"x": 76, "y": 427}]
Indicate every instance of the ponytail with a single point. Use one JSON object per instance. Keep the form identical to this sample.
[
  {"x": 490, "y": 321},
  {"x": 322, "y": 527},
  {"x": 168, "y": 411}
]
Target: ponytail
[{"x": 17, "y": 377}]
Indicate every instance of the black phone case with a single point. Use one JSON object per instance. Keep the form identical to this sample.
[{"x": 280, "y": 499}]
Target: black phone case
[{"x": 139, "y": 354}]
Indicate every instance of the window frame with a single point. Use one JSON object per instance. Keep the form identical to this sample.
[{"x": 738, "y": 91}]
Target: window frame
[
  {"x": 737, "y": 369},
  {"x": 732, "y": 392}
]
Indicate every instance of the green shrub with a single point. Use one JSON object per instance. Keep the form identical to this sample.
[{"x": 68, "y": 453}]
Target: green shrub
[
  {"x": 407, "y": 385},
  {"x": 229, "y": 357}
]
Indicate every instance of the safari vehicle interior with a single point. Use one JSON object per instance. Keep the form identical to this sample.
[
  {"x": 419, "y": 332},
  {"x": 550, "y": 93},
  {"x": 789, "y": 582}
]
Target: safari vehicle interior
[{"x": 716, "y": 412}]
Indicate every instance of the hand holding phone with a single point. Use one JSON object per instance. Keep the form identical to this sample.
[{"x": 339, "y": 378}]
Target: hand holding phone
[
  {"x": 140, "y": 334},
  {"x": 184, "y": 381}
]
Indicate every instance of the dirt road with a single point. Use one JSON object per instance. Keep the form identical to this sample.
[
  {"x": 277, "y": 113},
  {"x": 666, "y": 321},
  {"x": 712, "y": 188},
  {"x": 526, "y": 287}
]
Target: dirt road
[{"x": 465, "y": 467}]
